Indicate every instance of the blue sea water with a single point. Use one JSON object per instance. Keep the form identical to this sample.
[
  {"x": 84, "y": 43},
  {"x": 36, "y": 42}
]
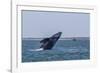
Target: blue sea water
[{"x": 63, "y": 50}]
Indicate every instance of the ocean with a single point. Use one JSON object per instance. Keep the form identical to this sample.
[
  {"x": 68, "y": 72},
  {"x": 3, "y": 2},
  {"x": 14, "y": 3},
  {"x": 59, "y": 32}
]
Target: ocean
[{"x": 64, "y": 49}]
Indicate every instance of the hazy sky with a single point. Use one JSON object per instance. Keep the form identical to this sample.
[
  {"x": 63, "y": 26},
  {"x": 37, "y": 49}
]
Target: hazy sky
[{"x": 39, "y": 24}]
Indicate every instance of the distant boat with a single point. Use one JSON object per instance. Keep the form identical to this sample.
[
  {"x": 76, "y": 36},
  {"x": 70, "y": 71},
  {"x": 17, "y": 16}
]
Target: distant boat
[{"x": 74, "y": 39}]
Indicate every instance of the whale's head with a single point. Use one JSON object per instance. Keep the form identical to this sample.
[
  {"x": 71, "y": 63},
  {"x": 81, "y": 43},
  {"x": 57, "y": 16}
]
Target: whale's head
[{"x": 56, "y": 36}]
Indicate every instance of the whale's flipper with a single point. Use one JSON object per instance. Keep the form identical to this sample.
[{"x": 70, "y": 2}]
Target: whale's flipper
[{"x": 48, "y": 43}]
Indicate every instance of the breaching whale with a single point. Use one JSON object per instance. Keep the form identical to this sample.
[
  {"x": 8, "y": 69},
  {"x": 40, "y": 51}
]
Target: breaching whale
[{"x": 48, "y": 43}]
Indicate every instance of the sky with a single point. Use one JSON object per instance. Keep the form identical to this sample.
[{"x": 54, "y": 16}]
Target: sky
[{"x": 40, "y": 24}]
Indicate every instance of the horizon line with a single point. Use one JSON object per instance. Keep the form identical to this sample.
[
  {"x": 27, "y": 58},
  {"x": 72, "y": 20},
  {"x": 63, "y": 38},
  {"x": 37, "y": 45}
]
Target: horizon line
[{"x": 61, "y": 37}]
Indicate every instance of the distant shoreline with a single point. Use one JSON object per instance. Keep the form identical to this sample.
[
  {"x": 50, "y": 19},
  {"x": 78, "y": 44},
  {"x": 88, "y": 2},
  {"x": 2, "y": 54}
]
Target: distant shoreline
[{"x": 68, "y": 38}]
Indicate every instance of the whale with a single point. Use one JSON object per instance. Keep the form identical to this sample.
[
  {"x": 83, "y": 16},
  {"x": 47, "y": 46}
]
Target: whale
[{"x": 48, "y": 43}]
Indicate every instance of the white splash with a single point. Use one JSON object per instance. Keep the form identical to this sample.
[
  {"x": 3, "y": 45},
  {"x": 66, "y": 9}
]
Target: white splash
[{"x": 40, "y": 49}]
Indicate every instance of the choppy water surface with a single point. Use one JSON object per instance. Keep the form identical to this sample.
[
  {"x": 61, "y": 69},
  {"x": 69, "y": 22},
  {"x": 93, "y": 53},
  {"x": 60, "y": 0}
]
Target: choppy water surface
[{"x": 63, "y": 50}]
